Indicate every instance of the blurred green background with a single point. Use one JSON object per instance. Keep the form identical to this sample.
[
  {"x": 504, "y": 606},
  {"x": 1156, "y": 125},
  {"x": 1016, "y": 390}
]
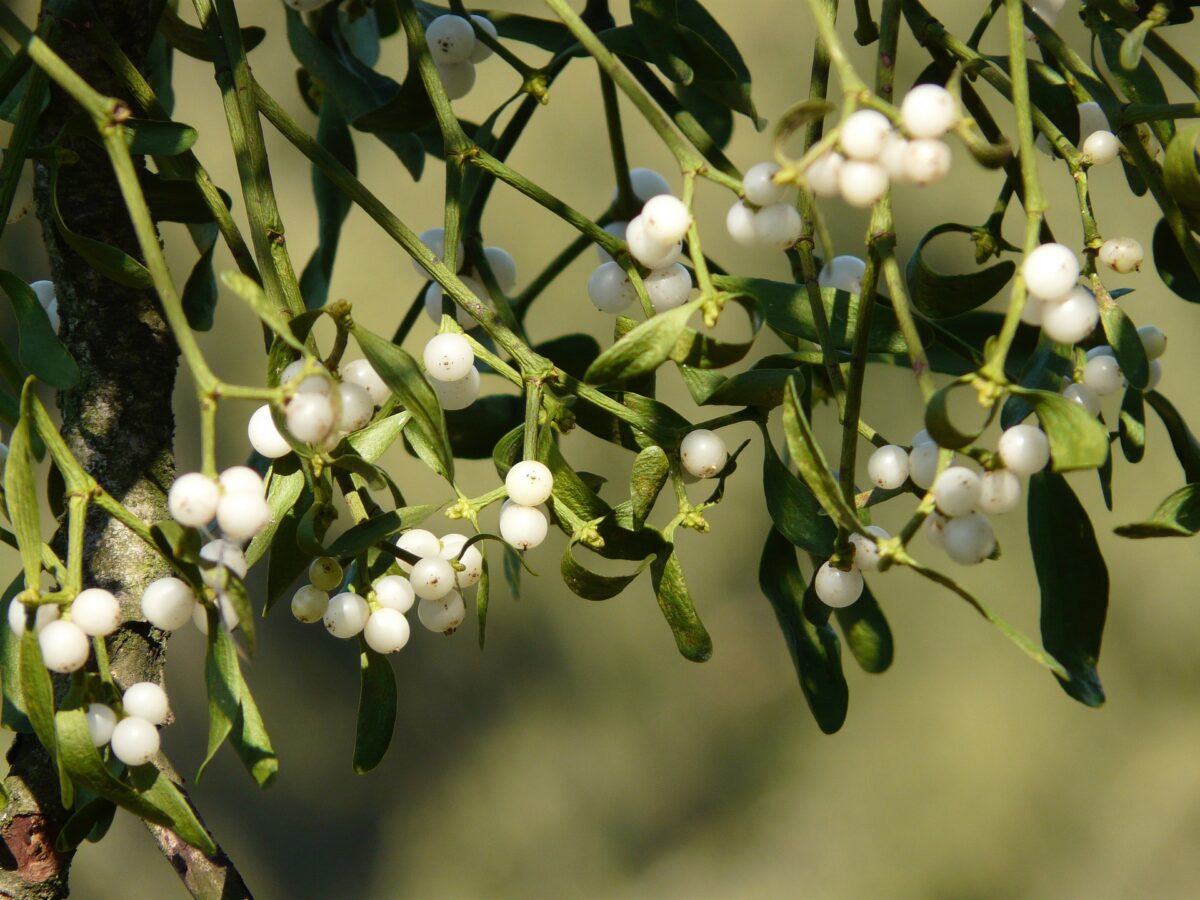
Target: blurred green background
[{"x": 580, "y": 755}]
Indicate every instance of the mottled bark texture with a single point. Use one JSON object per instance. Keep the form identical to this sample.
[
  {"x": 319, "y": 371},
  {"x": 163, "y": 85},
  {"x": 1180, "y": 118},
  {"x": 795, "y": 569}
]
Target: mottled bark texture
[{"x": 119, "y": 423}]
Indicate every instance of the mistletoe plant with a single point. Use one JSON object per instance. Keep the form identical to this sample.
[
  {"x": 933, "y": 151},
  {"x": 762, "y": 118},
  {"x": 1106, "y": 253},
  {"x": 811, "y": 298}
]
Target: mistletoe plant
[{"x": 88, "y": 92}]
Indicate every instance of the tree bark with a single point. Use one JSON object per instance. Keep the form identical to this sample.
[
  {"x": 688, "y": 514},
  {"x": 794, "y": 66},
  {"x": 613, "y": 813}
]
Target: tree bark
[{"x": 119, "y": 423}]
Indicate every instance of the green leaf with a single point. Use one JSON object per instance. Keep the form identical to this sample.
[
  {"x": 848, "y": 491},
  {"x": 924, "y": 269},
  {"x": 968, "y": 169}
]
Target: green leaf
[
  {"x": 937, "y": 417},
  {"x": 149, "y": 137},
  {"x": 656, "y": 23},
  {"x": 287, "y": 561},
  {"x": 939, "y": 295},
  {"x": 111, "y": 262},
  {"x": 642, "y": 350},
  {"x": 734, "y": 92},
  {"x": 474, "y": 431},
  {"x": 815, "y": 649},
  {"x": 285, "y": 484},
  {"x": 592, "y": 586},
  {"x": 233, "y": 715},
  {"x": 483, "y": 592},
  {"x": 713, "y": 116},
  {"x": 373, "y": 441},
  {"x": 38, "y": 692},
  {"x": 572, "y": 353},
  {"x": 704, "y": 352},
  {"x": 1187, "y": 448},
  {"x": 400, "y": 372},
  {"x": 793, "y": 508},
  {"x": 1123, "y": 337},
  {"x": 1181, "y": 175},
  {"x": 376, "y": 710},
  {"x": 1073, "y": 580},
  {"x": 160, "y": 802},
  {"x": 14, "y": 717},
  {"x": 20, "y": 492},
  {"x": 1177, "y": 516},
  {"x": 806, "y": 453},
  {"x": 270, "y": 315},
  {"x": 675, "y": 602},
  {"x": 378, "y": 528},
  {"x": 646, "y": 480},
  {"x": 39, "y": 348},
  {"x": 191, "y": 41},
  {"x": 200, "y": 291},
  {"x": 375, "y": 477},
  {"x": 1132, "y": 425},
  {"x": 1077, "y": 439},
  {"x": 1173, "y": 267},
  {"x": 867, "y": 632},
  {"x": 88, "y": 815}
]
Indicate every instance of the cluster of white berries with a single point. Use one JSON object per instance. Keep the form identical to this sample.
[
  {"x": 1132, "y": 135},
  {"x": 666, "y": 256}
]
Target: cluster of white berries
[
  {"x": 523, "y": 520},
  {"x": 768, "y": 216},
  {"x": 450, "y": 363},
  {"x": 47, "y": 296},
  {"x": 379, "y": 617},
  {"x": 1097, "y": 144},
  {"x": 499, "y": 260},
  {"x": 1102, "y": 375},
  {"x": 655, "y": 240},
  {"x": 64, "y": 632},
  {"x": 872, "y": 155},
  {"x": 320, "y": 411},
  {"x": 133, "y": 735},
  {"x": 236, "y": 500},
  {"x": 1066, "y": 311},
  {"x": 456, "y": 50}
]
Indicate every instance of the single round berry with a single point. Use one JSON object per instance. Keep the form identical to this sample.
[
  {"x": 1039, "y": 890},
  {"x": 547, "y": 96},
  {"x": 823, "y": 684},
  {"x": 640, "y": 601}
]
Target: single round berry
[
  {"x": 1103, "y": 375},
  {"x": 146, "y": 700},
  {"x": 394, "y": 592},
  {"x": 46, "y": 613},
  {"x": 451, "y": 39},
  {"x": 134, "y": 741},
  {"x": 759, "y": 186},
  {"x": 420, "y": 543},
  {"x": 617, "y": 230},
  {"x": 999, "y": 492},
  {"x": 432, "y": 578},
  {"x": 837, "y": 588},
  {"x": 310, "y": 417},
  {"x": 1024, "y": 449},
  {"x": 97, "y": 612},
  {"x": 471, "y": 559},
  {"x": 669, "y": 287},
  {"x": 610, "y": 289},
  {"x": 921, "y": 437},
  {"x": 1034, "y": 311},
  {"x": 242, "y": 516},
  {"x": 866, "y": 550},
  {"x": 1072, "y": 319},
  {"x": 650, "y": 252},
  {"x": 1084, "y": 396},
  {"x": 1156, "y": 373},
  {"x": 482, "y": 51},
  {"x": 355, "y": 407},
  {"x": 703, "y": 453},
  {"x": 892, "y": 158},
  {"x": 824, "y": 174},
  {"x": 449, "y": 357},
  {"x": 928, "y": 111},
  {"x": 969, "y": 539},
  {"x": 1100, "y": 350},
  {"x": 346, "y": 615},
  {"x": 666, "y": 219},
  {"x": 264, "y": 436},
  {"x": 193, "y": 499},
  {"x": 646, "y": 183},
  {"x": 503, "y": 266},
  {"x": 101, "y": 720},
  {"x": 843, "y": 273},
  {"x": 65, "y": 647},
  {"x": 457, "y": 78},
  {"x": 361, "y": 372},
  {"x": 1100, "y": 148},
  {"x": 1154, "y": 340},
  {"x": 778, "y": 225},
  {"x": 325, "y": 572},
  {"x": 386, "y": 631},
  {"x": 523, "y": 527},
  {"x": 454, "y": 395},
  {"x": 739, "y": 222},
  {"x": 435, "y": 240},
  {"x": 862, "y": 184},
  {"x": 1123, "y": 254},
  {"x": 926, "y": 161},
  {"x": 888, "y": 467},
  {"x": 922, "y": 464},
  {"x": 442, "y": 616},
  {"x": 956, "y": 491},
  {"x": 167, "y": 603},
  {"x": 223, "y": 555},
  {"x": 1050, "y": 272},
  {"x": 309, "y": 604},
  {"x": 241, "y": 480},
  {"x": 226, "y": 610},
  {"x": 529, "y": 482},
  {"x": 863, "y": 134},
  {"x": 934, "y": 529},
  {"x": 433, "y": 300}
]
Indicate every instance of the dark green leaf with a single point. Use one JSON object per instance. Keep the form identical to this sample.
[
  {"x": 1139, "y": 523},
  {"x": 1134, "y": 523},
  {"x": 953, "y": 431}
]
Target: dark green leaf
[
  {"x": 1177, "y": 516},
  {"x": 40, "y": 350},
  {"x": 233, "y": 714},
  {"x": 793, "y": 508},
  {"x": 675, "y": 602},
  {"x": 1077, "y": 439},
  {"x": 1123, "y": 337},
  {"x": 937, "y": 417},
  {"x": 1073, "y": 580},
  {"x": 1173, "y": 267},
  {"x": 200, "y": 292},
  {"x": 111, "y": 262},
  {"x": 89, "y": 814},
  {"x": 332, "y": 205},
  {"x": 572, "y": 353},
  {"x": 866, "y": 632},
  {"x": 475, "y": 430},
  {"x": 376, "y": 710},
  {"x": 372, "y": 531},
  {"x": 1181, "y": 175},
  {"x": 20, "y": 493},
  {"x": 1132, "y": 425},
  {"x": 1186, "y": 447},
  {"x": 649, "y": 474},
  {"x": 592, "y": 586},
  {"x": 710, "y": 114},
  {"x": 939, "y": 295},
  {"x": 147, "y": 137},
  {"x": 191, "y": 41},
  {"x": 810, "y": 460}
]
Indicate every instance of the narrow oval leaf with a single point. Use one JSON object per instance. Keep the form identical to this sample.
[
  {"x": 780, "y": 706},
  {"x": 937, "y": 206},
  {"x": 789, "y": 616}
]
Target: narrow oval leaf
[
  {"x": 590, "y": 585},
  {"x": 867, "y": 633},
  {"x": 810, "y": 460},
  {"x": 39, "y": 348},
  {"x": 1177, "y": 516},
  {"x": 939, "y": 295},
  {"x": 937, "y": 417},
  {"x": 1172, "y": 264},
  {"x": 1123, "y": 338},
  {"x": 1073, "y": 580},
  {"x": 675, "y": 602},
  {"x": 642, "y": 350},
  {"x": 191, "y": 41},
  {"x": 376, "y": 709},
  {"x": 231, "y": 698},
  {"x": 1187, "y": 448},
  {"x": 149, "y": 137},
  {"x": 646, "y": 480},
  {"x": 1132, "y": 425},
  {"x": 20, "y": 492},
  {"x": 111, "y": 262},
  {"x": 1077, "y": 439},
  {"x": 793, "y": 508}
]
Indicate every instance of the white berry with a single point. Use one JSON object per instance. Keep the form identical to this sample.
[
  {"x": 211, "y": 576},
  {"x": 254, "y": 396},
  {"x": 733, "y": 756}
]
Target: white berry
[
  {"x": 471, "y": 559},
  {"x": 669, "y": 287},
  {"x": 934, "y": 529},
  {"x": 1050, "y": 271},
  {"x": 346, "y": 615},
  {"x": 646, "y": 183},
  {"x": 888, "y": 467},
  {"x": 457, "y": 79},
  {"x": 97, "y": 612},
  {"x": 922, "y": 464},
  {"x": 1103, "y": 375},
  {"x": 999, "y": 492},
  {"x": 892, "y": 158},
  {"x": 453, "y": 395},
  {"x": 451, "y": 39},
  {"x": 394, "y": 592},
  {"x": 325, "y": 572},
  {"x": 956, "y": 491},
  {"x": 1154, "y": 340},
  {"x": 926, "y": 160},
  {"x": 442, "y": 616},
  {"x": 242, "y": 516},
  {"x": 610, "y": 289},
  {"x": 759, "y": 186},
  {"x": 448, "y": 357},
  {"x": 1100, "y": 148},
  {"x": 523, "y": 527},
  {"x": 432, "y": 578},
  {"x": 241, "y": 480},
  {"x": 1072, "y": 319},
  {"x": 617, "y": 230},
  {"x": 1024, "y": 449},
  {"x": 928, "y": 111},
  {"x": 1123, "y": 254},
  {"x": 193, "y": 499},
  {"x": 503, "y": 266},
  {"x": 361, "y": 372},
  {"x": 134, "y": 741},
  {"x": 1034, "y": 311},
  {"x": 355, "y": 407},
  {"x": 863, "y": 134},
  {"x": 739, "y": 222},
  {"x": 224, "y": 555},
  {"x": 823, "y": 175},
  {"x": 420, "y": 543},
  {"x": 1084, "y": 396},
  {"x": 387, "y": 631},
  {"x": 649, "y": 251},
  {"x": 862, "y": 184},
  {"x": 148, "y": 701},
  {"x": 836, "y": 587},
  {"x": 866, "y": 550},
  {"x": 101, "y": 720},
  {"x": 666, "y": 219},
  {"x": 435, "y": 240},
  {"x": 309, "y": 604},
  {"x": 65, "y": 647},
  {"x": 1155, "y": 375},
  {"x": 843, "y": 273},
  {"x": 482, "y": 51},
  {"x": 264, "y": 436},
  {"x": 529, "y": 482},
  {"x": 167, "y": 603},
  {"x": 310, "y": 417},
  {"x": 703, "y": 453},
  {"x": 778, "y": 225},
  {"x": 434, "y": 295},
  {"x": 969, "y": 539}
]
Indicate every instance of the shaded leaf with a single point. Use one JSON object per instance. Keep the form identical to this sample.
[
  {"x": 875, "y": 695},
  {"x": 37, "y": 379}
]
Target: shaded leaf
[
  {"x": 939, "y": 295},
  {"x": 675, "y": 602},
  {"x": 376, "y": 709},
  {"x": 867, "y": 632},
  {"x": 1077, "y": 439},
  {"x": 1177, "y": 516}
]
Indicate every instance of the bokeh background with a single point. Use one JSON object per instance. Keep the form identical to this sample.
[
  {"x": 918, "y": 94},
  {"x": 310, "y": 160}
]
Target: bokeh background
[{"x": 579, "y": 754}]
